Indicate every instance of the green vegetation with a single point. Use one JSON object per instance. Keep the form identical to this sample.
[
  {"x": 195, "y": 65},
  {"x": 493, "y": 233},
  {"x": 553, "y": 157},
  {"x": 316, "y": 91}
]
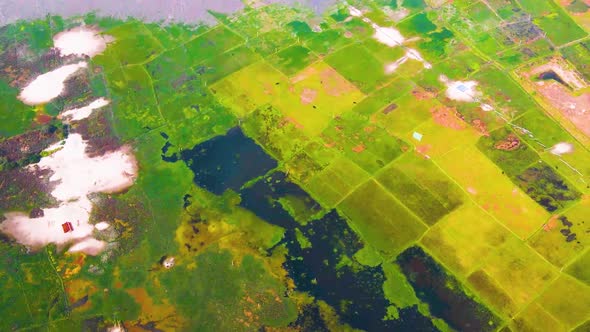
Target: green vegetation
[
  {"x": 336, "y": 181},
  {"x": 503, "y": 147},
  {"x": 381, "y": 219},
  {"x": 223, "y": 291},
  {"x": 579, "y": 55},
  {"x": 292, "y": 59},
  {"x": 15, "y": 117},
  {"x": 560, "y": 28},
  {"x": 389, "y": 204},
  {"x": 421, "y": 186},
  {"x": 365, "y": 71}
]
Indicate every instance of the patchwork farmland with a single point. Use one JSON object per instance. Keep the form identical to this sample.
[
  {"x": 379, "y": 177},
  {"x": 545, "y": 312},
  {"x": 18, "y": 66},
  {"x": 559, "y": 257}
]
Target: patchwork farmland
[{"x": 405, "y": 165}]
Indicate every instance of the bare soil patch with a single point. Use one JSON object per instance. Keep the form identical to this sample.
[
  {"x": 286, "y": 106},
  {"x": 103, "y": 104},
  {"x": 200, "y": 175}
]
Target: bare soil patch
[
  {"x": 334, "y": 84},
  {"x": 481, "y": 127},
  {"x": 447, "y": 117},
  {"x": 575, "y": 108},
  {"x": 510, "y": 143},
  {"x": 308, "y": 96},
  {"x": 422, "y": 94}
]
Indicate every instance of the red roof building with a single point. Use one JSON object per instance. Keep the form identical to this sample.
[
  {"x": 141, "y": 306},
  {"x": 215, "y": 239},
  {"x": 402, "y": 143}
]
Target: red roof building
[{"x": 67, "y": 227}]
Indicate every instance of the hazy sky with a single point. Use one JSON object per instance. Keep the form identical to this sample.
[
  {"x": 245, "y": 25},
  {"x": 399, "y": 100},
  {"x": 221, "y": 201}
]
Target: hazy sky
[{"x": 150, "y": 10}]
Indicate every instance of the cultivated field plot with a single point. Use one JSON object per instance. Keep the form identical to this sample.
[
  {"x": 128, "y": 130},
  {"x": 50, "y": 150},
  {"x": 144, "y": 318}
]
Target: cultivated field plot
[{"x": 407, "y": 165}]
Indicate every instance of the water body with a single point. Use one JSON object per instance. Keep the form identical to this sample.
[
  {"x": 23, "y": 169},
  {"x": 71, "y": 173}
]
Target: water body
[
  {"x": 443, "y": 293},
  {"x": 227, "y": 161},
  {"x": 233, "y": 161},
  {"x": 316, "y": 270},
  {"x": 262, "y": 198},
  {"x": 186, "y": 11}
]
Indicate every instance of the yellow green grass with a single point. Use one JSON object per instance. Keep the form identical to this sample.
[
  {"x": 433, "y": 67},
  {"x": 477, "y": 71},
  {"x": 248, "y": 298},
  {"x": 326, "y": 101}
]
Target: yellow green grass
[
  {"x": 519, "y": 272},
  {"x": 336, "y": 181},
  {"x": 493, "y": 191},
  {"x": 551, "y": 240},
  {"x": 310, "y": 99},
  {"x": 465, "y": 238},
  {"x": 381, "y": 220}
]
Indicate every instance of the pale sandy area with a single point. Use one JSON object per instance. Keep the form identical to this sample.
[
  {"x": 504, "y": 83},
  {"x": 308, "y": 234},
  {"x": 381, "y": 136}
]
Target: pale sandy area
[
  {"x": 81, "y": 40},
  {"x": 77, "y": 114},
  {"x": 101, "y": 226},
  {"x": 76, "y": 176},
  {"x": 391, "y": 67},
  {"x": 562, "y": 148},
  {"x": 465, "y": 91},
  {"x": 90, "y": 246},
  {"x": 388, "y": 36},
  {"x": 354, "y": 12},
  {"x": 560, "y": 67},
  {"x": 391, "y": 37},
  {"x": 79, "y": 175},
  {"x": 39, "y": 232},
  {"x": 486, "y": 107},
  {"x": 50, "y": 85},
  {"x": 415, "y": 55}
]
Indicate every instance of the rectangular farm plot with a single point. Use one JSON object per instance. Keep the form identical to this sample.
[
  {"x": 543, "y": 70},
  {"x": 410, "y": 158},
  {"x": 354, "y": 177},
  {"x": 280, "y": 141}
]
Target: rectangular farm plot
[
  {"x": 133, "y": 44},
  {"x": 580, "y": 268},
  {"x": 444, "y": 132},
  {"x": 212, "y": 43},
  {"x": 560, "y": 28},
  {"x": 568, "y": 300},
  {"x": 336, "y": 181},
  {"x": 129, "y": 85},
  {"x": 518, "y": 271},
  {"x": 504, "y": 92},
  {"x": 547, "y": 187},
  {"x": 216, "y": 68},
  {"x": 384, "y": 99},
  {"x": 422, "y": 187},
  {"x": 315, "y": 96},
  {"x": 547, "y": 134},
  {"x": 383, "y": 53},
  {"x": 310, "y": 99},
  {"x": 247, "y": 89},
  {"x": 381, "y": 220},
  {"x": 359, "y": 66},
  {"x": 563, "y": 237},
  {"x": 480, "y": 13},
  {"x": 279, "y": 136},
  {"x": 534, "y": 316},
  {"x": 271, "y": 42},
  {"x": 507, "y": 151},
  {"x": 292, "y": 59},
  {"x": 328, "y": 41},
  {"x": 311, "y": 160},
  {"x": 493, "y": 191},
  {"x": 169, "y": 65},
  {"x": 406, "y": 113},
  {"x": 368, "y": 145},
  {"x": 545, "y": 130},
  {"x": 579, "y": 55},
  {"x": 412, "y": 195}
]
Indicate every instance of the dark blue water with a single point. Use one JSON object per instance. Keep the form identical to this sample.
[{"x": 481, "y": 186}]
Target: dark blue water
[
  {"x": 444, "y": 294},
  {"x": 227, "y": 161},
  {"x": 262, "y": 199},
  {"x": 359, "y": 287},
  {"x": 354, "y": 291}
]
